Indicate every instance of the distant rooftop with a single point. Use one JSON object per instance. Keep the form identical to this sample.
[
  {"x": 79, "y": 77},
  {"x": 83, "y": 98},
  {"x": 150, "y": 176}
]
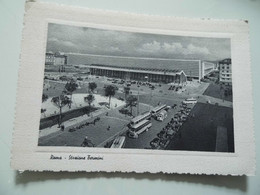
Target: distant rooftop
[{"x": 225, "y": 61}]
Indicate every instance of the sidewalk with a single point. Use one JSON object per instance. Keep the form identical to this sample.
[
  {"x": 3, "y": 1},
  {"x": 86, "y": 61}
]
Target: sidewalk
[
  {"x": 220, "y": 102},
  {"x": 69, "y": 123}
]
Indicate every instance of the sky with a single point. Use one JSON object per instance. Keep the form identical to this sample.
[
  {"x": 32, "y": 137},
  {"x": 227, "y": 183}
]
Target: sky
[{"x": 83, "y": 45}]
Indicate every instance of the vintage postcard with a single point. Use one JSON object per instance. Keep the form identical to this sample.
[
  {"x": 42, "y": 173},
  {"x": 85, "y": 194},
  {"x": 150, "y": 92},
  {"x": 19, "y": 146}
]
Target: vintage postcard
[{"x": 108, "y": 91}]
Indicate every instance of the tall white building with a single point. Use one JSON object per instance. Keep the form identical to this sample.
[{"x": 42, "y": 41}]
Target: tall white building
[{"x": 225, "y": 71}]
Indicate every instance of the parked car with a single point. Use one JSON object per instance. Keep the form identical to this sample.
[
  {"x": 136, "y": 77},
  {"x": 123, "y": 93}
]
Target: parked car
[
  {"x": 64, "y": 78},
  {"x": 131, "y": 134},
  {"x": 174, "y": 106},
  {"x": 160, "y": 134},
  {"x": 155, "y": 142},
  {"x": 80, "y": 79},
  {"x": 120, "y": 98}
]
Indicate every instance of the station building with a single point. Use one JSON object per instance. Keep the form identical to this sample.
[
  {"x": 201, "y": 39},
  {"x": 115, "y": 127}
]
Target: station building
[
  {"x": 139, "y": 74},
  {"x": 166, "y": 71}
]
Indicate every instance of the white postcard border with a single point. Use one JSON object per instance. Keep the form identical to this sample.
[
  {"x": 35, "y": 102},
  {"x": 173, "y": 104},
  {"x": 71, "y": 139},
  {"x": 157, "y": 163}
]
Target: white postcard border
[{"x": 31, "y": 157}]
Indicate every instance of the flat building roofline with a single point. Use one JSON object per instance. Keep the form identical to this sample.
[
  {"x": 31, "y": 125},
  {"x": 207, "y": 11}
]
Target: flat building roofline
[{"x": 147, "y": 71}]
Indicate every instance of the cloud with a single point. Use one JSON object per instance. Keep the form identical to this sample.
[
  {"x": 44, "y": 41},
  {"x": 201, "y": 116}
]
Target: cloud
[
  {"x": 151, "y": 47},
  {"x": 114, "y": 48},
  {"x": 68, "y": 44},
  {"x": 53, "y": 39},
  {"x": 191, "y": 49},
  {"x": 87, "y": 40},
  {"x": 173, "y": 48}
]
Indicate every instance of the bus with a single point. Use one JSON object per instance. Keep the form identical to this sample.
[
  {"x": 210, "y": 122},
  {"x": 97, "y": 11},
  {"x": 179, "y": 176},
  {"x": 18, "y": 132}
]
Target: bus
[
  {"x": 138, "y": 119},
  {"x": 161, "y": 115},
  {"x": 190, "y": 101},
  {"x": 119, "y": 142},
  {"x": 138, "y": 128},
  {"x": 158, "y": 109}
]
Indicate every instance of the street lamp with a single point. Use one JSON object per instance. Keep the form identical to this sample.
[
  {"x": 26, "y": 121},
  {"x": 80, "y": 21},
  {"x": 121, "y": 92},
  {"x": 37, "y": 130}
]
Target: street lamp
[
  {"x": 138, "y": 99},
  {"x": 146, "y": 77}
]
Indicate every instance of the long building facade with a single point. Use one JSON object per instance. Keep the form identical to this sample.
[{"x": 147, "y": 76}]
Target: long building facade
[
  {"x": 139, "y": 74},
  {"x": 196, "y": 69}
]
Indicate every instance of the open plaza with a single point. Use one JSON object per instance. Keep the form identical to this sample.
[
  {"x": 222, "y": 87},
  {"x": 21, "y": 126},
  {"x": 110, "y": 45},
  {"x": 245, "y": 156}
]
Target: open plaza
[{"x": 106, "y": 118}]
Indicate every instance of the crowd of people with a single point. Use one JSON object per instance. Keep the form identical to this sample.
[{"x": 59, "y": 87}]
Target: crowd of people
[{"x": 84, "y": 125}]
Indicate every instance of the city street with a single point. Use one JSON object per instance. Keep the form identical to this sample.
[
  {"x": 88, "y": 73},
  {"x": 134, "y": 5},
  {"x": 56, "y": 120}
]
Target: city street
[
  {"x": 112, "y": 123},
  {"x": 144, "y": 139}
]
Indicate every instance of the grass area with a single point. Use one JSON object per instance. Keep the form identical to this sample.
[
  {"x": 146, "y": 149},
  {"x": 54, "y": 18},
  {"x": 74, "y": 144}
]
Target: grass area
[
  {"x": 53, "y": 120},
  {"x": 198, "y": 133},
  {"x": 214, "y": 90}
]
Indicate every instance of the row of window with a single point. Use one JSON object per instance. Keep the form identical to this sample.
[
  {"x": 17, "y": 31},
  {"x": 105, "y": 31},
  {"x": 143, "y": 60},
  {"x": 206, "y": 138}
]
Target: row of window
[
  {"x": 226, "y": 79},
  {"x": 225, "y": 71},
  {"x": 224, "y": 67}
]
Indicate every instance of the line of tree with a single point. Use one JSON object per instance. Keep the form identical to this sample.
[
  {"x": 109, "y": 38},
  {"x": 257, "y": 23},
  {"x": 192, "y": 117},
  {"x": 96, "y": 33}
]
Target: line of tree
[
  {"x": 60, "y": 102},
  {"x": 89, "y": 99},
  {"x": 44, "y": 97},
  {"x": 131, "y": 102},
  {"x": 110, "y": 91},
  {"x": 126, "y": 91},
  {"x": 70, "y": 87},
  {"x": 92, "y": 86}
]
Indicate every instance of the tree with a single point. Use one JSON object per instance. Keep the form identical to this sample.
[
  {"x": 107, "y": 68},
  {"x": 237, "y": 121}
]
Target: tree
[
  {"x": 43, "y": 111},
  {"x": 60, "y": 102},
  {"x": 126, "y": 91},
  {"x": 110, "y": 91},
  {"x": 131, "y": 101},
  {"x": 71, "y": 86},
  {"x": 92, "y": 86},
  {"x": 90, "y": 98},
  {"x": 44, "y": 97}
]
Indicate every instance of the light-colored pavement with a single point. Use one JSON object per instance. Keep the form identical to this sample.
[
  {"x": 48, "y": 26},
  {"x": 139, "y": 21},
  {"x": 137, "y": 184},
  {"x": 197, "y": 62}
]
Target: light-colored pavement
[{"x": 212, "y": 100}]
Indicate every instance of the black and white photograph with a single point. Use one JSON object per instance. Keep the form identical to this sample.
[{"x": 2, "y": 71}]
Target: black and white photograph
[
  {"x": 133, "y": 90},
  {"x": 102, "y": 91}
]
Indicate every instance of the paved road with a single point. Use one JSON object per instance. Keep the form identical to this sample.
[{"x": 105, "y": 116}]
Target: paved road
[
  {"x": 144, "y": 139},
  {"x": 213, "y": 100},
  {"x": 98, "y": 132}
]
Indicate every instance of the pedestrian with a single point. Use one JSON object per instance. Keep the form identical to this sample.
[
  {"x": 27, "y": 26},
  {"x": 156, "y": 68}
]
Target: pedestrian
[{"x": 108, "y": 128}]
